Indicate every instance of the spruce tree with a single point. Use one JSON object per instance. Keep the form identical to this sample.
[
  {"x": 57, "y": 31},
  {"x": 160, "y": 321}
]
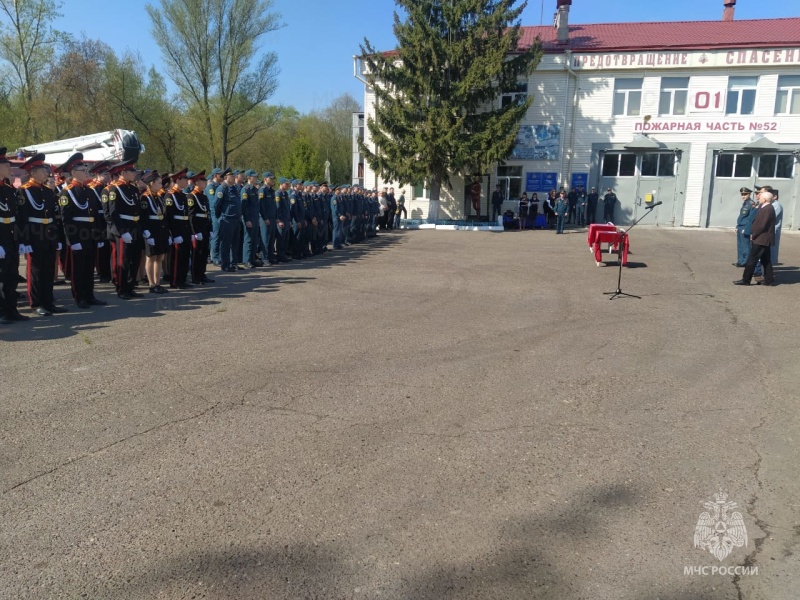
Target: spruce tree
[{"x": 436, "y": 110}]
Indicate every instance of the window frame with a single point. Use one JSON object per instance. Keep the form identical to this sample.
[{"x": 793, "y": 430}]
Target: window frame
[
  {"x": 511, "y": 174},
  {"x": 517, "y": 96},
  {"x": 792, "y": 90},
  {"x": 736, "y": 160},
  {"x": 626, "y": 94},
  {"x": 672, "y": 91},
  {"x": 775, "y": 168},
  {"x": 664, "y": 159},
  {"x": 736, "y": 85},
  {"x": 619, "y": 154}
]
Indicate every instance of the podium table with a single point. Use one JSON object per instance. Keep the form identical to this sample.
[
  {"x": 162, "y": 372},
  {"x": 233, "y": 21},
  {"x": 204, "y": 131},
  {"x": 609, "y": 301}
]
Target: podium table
[{"x": 616, "y": 239}]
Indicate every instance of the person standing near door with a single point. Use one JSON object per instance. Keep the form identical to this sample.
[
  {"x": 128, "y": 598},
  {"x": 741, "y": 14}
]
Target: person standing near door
[
  {"x": 591, "y": 206},
  {"x": 497, "y": 203},
  {"x": 609, "y": 204}
]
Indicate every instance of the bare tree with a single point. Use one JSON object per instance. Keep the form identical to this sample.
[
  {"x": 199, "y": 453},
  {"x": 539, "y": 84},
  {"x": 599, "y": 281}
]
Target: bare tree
[
  {"x": 27, "y": 42},
  {"x": 213, "y": 52}
]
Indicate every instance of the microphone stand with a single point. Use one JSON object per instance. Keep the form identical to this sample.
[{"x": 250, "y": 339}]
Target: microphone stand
[{"x": 618, "y": 292}]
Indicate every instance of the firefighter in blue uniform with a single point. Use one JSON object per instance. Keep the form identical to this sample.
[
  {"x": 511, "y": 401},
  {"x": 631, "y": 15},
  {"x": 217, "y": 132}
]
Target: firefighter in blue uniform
[
  {"x": 268, "y": 211},
  {"x": 228, "y": 209},
  {"x": 310, "y": 240},
  {"x": 284, "y": 220},
  {"x": 252, "y": 220},
  {"x": 298, "y": 219},
  {"x": 238, "y": 242},
  {"x": 211, "y": 192}
]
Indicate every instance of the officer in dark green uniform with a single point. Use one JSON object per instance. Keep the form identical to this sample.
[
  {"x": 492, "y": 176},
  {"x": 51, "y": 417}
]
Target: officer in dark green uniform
[{"x": 744, "y": 224}]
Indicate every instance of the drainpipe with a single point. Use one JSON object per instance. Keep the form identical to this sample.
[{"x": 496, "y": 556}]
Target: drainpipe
[{"x": 574, "y": 75}]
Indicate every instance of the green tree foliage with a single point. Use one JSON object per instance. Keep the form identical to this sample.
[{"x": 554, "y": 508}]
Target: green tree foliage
[
  {"x": 302, "y": 160},
  {"x": 27, "y": 43},
  {"x": 333, "y": 132},
  {"x": 435, "y": 110},
  {"x": 213, "y": 50},
  {"x": 85, "y": 87}
]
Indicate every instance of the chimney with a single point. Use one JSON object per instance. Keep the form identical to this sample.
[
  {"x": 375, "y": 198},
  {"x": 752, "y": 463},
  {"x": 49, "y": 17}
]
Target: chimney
[
  {"x": 562, "y": 20},
  {"x": 727, "y": 11}
]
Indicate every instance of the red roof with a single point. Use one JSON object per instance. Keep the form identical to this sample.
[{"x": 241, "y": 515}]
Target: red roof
[{"x": 669, "y": 35}]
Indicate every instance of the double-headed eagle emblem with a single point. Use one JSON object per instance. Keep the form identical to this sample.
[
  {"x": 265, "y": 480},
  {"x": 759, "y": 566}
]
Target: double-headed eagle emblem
[{"x": 718, "y": 530}]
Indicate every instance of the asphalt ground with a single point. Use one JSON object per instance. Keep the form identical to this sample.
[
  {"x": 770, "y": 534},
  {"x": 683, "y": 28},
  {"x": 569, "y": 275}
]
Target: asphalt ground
[{"x": 431, "y": 415}]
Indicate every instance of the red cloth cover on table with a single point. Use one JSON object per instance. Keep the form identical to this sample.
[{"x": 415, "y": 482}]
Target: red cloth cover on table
[{"x": 608, "y": 234}]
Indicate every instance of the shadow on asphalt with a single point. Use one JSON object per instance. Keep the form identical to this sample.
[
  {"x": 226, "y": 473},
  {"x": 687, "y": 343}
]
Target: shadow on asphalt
[
  {"x": 786, "y": 275},
  {"x": 524, "y": 563},
  {"x": 227, "y": 286}
]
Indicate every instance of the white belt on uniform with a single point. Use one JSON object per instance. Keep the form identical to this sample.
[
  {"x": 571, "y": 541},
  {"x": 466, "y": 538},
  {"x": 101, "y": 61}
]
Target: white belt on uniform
[
  {"x": 180, "y": 218},
  {"x": 8, "y": 220},
  {"x": 38, "y": 220},
  {"x": 84, "y": 219},
  {"x": 156, "y": 217},
  {"x": 129, "y": 218}
]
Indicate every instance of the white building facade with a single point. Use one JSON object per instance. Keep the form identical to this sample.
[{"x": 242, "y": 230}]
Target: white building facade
[{"x": 647, "y": 110}]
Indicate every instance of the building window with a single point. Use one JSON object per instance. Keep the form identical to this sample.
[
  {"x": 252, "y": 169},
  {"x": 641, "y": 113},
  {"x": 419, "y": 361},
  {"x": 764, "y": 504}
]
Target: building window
[
  {"x": 735, "y": 165},
  {"x": 787, "y": 101},
  {"x": 741, "y": 95},
  {"x": 619, "y": 164},
  {"x": 658, "y": 164},
  {"x": 518, "y": 95},
  {"x": 420, "y": 191},
  {"x": 510, "y": 181},
  {"x": 776, "y": 166},
  {"x": 674, "y": 91},
  {"x": 627, "y": 96}
]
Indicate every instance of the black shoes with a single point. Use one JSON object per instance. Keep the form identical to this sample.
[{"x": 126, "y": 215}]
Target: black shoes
[
  {"x": 96, "y": 302},
  {"x": 737, "y": 264},
  {"x": 43, "y": 312},
  {"x": 82, "y": 304},
  {"x": 741, "y": 282}
]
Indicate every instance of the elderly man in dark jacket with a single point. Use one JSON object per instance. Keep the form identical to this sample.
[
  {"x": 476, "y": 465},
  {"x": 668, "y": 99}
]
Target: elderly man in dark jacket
[{"x": 762, "y": 237}]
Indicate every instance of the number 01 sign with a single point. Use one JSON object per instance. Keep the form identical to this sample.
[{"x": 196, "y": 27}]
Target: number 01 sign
[{"x": 708, "y": 101}]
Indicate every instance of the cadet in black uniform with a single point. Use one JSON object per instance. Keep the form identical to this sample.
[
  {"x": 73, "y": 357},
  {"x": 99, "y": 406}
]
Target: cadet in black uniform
[
  {"x": 180, "y": 227},
  {"x": 94, "y": 188},
  {"x": 9, "y": 245},
  {"x": 37, "y": 209},
  {"x": 154, "y": 222},
  {"x": 201, "y": 228},
  {"x": 123, "y": 215},
  {"x": 80, "y": 214}
]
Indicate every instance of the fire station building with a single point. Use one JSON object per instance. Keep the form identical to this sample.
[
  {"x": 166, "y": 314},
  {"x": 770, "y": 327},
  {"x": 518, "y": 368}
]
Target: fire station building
[{"x": 685, "y": 113}]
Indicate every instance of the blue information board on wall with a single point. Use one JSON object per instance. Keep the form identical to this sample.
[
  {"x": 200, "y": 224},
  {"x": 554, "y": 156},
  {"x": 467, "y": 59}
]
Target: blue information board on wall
[
  {"x": 580, "y": 179},
  {"x": 541, "y": 182}
]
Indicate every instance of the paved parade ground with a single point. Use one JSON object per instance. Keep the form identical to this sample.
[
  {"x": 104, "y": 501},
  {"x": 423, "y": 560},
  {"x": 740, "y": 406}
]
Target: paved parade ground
[{"x": 432, "y": 415}]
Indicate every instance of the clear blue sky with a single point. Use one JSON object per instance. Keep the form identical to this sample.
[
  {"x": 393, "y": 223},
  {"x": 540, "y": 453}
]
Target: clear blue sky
[{"x": 320, "y": 37}]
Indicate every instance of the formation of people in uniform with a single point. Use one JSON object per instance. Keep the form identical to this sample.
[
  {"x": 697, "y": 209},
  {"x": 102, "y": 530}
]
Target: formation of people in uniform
[
  {"x": 134, "y": 227},
  {"x": 758, "y": 235}
]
